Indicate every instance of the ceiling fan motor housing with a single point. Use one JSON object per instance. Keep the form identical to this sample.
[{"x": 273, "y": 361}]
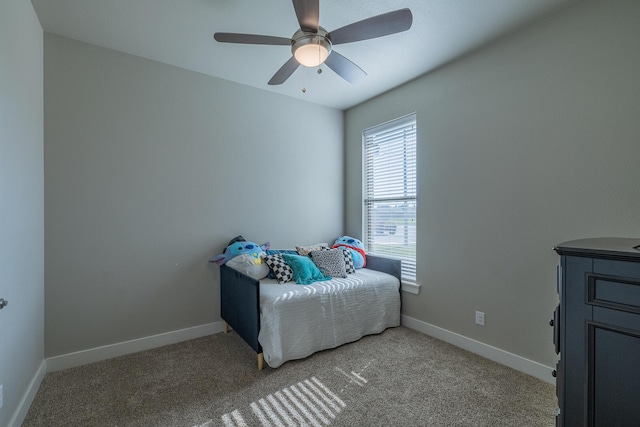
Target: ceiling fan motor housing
[{"x": 311, "y": 48}]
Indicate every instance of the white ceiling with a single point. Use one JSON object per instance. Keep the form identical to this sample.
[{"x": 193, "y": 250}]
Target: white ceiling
[{"x": 180, "y": 33}]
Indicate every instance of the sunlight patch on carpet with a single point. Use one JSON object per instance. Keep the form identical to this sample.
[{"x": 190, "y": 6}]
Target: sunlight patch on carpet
[
  {"x": 355, "y": 377},
  {"x": 235, "y": 416},
  {"x": 307, "y": 403}
]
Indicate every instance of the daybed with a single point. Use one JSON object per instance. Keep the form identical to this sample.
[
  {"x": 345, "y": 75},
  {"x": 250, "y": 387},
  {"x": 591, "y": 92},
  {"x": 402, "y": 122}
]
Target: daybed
[{"x": 284, "y": 322}]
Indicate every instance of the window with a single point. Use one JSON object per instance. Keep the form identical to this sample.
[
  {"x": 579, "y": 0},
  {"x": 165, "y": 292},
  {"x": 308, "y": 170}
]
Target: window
[{"x": 390, "y": 227}]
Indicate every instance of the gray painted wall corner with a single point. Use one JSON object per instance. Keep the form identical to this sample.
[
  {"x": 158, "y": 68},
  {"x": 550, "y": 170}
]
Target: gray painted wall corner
[{"x": 22, "y": 212}]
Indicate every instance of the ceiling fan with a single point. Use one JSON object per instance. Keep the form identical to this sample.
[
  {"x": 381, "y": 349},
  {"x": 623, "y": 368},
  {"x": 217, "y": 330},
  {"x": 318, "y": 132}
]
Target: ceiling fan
[{"x": 312, "y": 45}]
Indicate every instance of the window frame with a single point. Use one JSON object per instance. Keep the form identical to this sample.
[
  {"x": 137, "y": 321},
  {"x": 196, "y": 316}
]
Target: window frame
[{"x": 381, "y": 134}]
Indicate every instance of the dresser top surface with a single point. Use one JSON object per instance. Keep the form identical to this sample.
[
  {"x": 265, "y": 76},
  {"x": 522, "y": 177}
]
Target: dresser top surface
[{"x": 602, "y": 247}]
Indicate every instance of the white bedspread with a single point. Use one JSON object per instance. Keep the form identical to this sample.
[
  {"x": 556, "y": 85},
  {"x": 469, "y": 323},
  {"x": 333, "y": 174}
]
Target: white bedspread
[{"x": 298, "y": 320}]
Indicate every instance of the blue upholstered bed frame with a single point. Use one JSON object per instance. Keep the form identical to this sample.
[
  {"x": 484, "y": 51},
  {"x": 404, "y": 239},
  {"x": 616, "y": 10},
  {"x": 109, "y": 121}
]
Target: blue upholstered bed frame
[{"x": 240, "y": 300}]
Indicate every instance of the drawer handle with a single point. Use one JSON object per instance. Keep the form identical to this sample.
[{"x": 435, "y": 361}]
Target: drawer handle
[
  {"x": 550, "y": 322},
  {"x": 554, "y": 373}
]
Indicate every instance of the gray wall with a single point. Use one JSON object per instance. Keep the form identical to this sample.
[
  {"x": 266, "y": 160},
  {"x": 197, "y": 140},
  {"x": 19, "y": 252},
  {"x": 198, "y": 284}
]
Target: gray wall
[
  {"x": 21, "y": 203},
  {"x": 150, "y": 170},
  {"x": 526, "y": 143}
]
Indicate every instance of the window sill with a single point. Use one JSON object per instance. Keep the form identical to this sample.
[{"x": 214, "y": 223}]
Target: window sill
[{"x": 410, "y": 287}]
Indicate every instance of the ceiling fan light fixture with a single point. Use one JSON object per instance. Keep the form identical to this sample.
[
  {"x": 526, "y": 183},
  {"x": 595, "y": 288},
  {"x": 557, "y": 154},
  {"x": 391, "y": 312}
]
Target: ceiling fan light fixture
[
  {"x": 311, "y": 49},
  {"x": 311, "y": 55}
]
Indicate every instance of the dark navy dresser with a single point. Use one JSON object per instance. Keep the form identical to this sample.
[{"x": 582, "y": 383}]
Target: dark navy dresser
[{"x": 597, "y": 333}]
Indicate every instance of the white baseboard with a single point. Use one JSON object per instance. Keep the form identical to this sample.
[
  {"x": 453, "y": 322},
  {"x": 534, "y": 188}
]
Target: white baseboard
[
  {"x": 27, "y": 399},
  {"x": 503, "y": 357},
  {"x": 97, "y": 354}
]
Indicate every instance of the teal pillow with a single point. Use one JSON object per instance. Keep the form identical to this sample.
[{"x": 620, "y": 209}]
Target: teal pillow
[{"x": 305, "y": 271}]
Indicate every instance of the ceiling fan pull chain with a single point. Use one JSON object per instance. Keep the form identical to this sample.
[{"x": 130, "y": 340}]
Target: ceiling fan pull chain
[{"x": 304, "y": 75}]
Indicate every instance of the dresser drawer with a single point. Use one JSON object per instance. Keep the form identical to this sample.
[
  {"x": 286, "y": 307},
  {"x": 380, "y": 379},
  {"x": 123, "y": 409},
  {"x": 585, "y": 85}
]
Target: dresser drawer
[{"x": 620, "y": 293}]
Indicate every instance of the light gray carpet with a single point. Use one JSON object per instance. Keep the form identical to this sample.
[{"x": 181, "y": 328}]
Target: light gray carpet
[{"x": 398, "y": 378}]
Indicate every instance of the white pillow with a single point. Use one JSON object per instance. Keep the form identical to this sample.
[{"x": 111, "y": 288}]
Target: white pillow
[
  {"x": 246, "y": 263},
  {"x": 304, "y": 250}
]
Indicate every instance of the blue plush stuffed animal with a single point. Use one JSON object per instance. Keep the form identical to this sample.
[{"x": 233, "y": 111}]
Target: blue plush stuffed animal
[
  {"x": 356, "y": 247},
  {"x": 239, "y": 248}
]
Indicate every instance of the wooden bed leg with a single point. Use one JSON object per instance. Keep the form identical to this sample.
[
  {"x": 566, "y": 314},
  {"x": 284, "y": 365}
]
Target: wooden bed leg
[
  {"x": 260, "y": 361},
  {"x": 225, "y": 326}
]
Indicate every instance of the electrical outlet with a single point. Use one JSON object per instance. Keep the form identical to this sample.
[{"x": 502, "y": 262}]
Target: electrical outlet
[
  {"x": 0, "y": 396},
  {"x": 479, "y": 318}
]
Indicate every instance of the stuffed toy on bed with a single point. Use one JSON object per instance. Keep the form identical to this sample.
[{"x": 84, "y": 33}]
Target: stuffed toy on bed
[
  {"x": 239, "y": 246},
  {"x": 245, "y": 257},
  {"x": 356, "y": 247}
]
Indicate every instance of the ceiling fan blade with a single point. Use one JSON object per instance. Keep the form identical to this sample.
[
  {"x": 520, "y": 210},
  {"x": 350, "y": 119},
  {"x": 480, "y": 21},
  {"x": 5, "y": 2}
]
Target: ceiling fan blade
[
  {"x": 345, "y": 68},
  {"x": 284, "y": 72},
  {"x": 251, "y": 39},
  {"x": 308, "y": 13},
  {"x": 376, "y": 26}
]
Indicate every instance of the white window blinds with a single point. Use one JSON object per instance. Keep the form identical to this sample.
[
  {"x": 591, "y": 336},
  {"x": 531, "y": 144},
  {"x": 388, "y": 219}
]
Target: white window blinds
[{"x": 390, "y": 226}]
